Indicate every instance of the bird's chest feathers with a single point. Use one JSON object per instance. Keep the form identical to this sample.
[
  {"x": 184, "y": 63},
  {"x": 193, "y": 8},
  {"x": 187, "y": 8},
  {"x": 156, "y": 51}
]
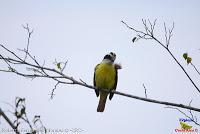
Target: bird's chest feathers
[{"x": 105, "y": 76}]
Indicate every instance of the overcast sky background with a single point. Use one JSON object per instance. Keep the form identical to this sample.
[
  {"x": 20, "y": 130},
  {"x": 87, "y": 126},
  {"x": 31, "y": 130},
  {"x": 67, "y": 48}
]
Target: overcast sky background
[{"x": 82, "y": 32}]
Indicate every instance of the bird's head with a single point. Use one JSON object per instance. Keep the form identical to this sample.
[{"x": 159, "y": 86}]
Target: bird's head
[{"x": 110, "y": 57}]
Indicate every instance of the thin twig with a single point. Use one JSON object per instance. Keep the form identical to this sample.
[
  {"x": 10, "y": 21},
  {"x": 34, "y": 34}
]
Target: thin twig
[
  {"x": 147, "y": 33},
  {"x": 28, "y": 39},
  {"x": 166, "y": 39},
  {"x": 82, "y": 81},
  {"x": 145, "y": 90},
  {"x": 184, "y": 115},
  {"x": 52, "y": 92},
  {"x": 64, "y": 66},
  {"x": 195, "y": 68}
]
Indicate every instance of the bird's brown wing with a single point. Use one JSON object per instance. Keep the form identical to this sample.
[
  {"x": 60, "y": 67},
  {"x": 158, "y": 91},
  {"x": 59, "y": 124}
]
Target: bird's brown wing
[
  {"x": 94, "y": 81},
  {"x": 115, "y": 85}
]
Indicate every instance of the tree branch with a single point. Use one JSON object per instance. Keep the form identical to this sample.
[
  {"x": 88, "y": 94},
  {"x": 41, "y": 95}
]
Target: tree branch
[
  {"x": 195, "y": 68},
  {"x": 9, "y": 121},
  {"x": 191, "y": 118},
  {"x": 22, "y": 118},
  {"x": 148, "y": 34},
  {"x": 61, "y": 78},
  {"x": 28, "y": 38}
]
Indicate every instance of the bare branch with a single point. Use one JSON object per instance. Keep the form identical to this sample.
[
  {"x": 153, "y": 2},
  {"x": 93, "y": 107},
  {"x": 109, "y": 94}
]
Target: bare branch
[
  {"x": 52, "y": 92},
  {"x": 82, "y": 81},
  {"x": 8, "y": 121},
  {"x": 168, "y": 35},
  {"x": 64, "y": 66},
  {"x": 61, "y": 78},
  {"x": 154, "y": 24},
  {"x": 132, "y": 28},
  {"x": 195, "y": 68},
  {"x": 194, "y": 118},
  {"x": 166, "y": 39},
  {"x": 195, "y": 121},
  {"x": 28, "y": 39},
  {"x": 146, "y": 27},
  {"x": 9, "y": 51},
  {"x": 145, "y": 90}
]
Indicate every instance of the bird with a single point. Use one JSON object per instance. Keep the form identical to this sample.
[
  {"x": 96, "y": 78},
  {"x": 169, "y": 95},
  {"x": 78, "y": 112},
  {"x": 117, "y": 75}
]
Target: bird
[{"x": 105, "y": 77}]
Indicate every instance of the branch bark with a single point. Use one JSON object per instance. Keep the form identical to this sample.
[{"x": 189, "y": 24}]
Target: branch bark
[
  {"x": 36, "y": 71},
  {"x": 9, "y": 121}
]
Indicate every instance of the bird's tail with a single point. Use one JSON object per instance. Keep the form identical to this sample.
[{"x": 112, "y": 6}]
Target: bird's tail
[{"x": 102, "y": 103}]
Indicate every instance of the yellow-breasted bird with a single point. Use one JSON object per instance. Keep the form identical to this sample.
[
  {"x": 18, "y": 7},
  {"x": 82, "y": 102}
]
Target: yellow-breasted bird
[{"x": 105, "y": 77}]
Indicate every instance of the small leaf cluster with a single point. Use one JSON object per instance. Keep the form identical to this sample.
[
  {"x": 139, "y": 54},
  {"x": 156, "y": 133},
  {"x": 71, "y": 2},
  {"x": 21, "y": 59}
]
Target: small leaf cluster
[{"x": 187, "y": 58}]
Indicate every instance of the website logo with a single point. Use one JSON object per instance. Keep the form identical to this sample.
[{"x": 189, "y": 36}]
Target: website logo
[{"x": 185, "y": 126}]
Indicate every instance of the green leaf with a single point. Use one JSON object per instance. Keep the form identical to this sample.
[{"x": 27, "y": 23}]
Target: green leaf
[
  {"x": 59, "y": 65},
  {"x": 185, "y": 56},
  {"x": 189, "y": 60}
]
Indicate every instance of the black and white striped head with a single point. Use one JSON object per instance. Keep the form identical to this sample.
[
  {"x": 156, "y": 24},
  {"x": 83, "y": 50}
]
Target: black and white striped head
[{"x": 110, "y": 57}]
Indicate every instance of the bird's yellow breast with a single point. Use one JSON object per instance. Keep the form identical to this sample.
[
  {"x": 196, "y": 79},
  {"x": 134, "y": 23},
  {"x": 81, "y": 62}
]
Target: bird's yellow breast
[{"x": 105, "y": 76}]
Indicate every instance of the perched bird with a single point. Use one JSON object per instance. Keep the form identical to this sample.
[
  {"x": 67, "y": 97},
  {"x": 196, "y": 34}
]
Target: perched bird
[{"x": 105, "y": 77}]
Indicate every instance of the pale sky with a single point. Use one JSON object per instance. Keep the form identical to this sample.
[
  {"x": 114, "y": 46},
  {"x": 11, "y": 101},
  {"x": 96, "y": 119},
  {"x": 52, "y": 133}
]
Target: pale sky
[{"x": 82, "y": 32}]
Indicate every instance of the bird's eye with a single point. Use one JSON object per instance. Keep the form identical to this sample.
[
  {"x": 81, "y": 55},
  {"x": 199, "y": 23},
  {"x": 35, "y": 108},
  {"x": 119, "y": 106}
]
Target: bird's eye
[{"x": 113, "y": 54}]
